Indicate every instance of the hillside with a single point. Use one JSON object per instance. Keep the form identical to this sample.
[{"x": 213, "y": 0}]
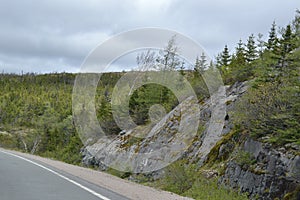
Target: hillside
[{"x": 253, "y": 153}]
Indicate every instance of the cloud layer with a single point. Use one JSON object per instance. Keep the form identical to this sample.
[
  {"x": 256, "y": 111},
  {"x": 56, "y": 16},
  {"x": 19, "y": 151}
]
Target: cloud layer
[{"x": 48, "y": 36}]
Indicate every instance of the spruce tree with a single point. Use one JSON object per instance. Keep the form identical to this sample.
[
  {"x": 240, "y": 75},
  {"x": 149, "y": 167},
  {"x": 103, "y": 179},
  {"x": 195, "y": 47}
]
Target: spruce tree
[
  {"x": 240, "y": 50},
  {"x": 200, "y": 64},
  {"x": 238, "y": 64},
  {"x": 287, "y": 44},
  {"x": 287, "y": 40},
  {"x": 219, "y": 60},
  {"x": 197, "y": 64},
  {"x": 272, "y": 41},
  {"x": 260, "y": 44},
  {"x": 296, "y": 24},
  {"x": 225, "y": 57},
  {"x": 251, "y": 52}
]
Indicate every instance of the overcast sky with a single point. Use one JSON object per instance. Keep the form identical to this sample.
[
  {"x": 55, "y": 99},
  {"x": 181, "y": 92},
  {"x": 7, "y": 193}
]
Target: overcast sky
[{"x": 56, "y": 35}]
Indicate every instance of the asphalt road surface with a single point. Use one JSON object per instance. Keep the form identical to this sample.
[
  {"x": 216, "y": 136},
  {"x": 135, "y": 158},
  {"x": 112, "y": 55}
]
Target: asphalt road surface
[{"x": 24, "y": 179}]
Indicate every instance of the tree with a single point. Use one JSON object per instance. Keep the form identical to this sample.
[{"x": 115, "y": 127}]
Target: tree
[
  {"x": 251, "y": 52},
  {"x": 146, "y": 60},
  {"x": 223, "y": 61},
  {"x": 225, "y": 56},
  {"x": 219, "y": 61},
  {"x": 261, "y": 44},
  {"x": 238, "y": 59},
  {"x": 168, "y": 58},
  {"x": 287, "y": 44},
  {"x": 296, "y": 24},
  {"x": 200, "y": 64},
  {"x": 240, "y": 53},
  {"x": 238, "y": 69},
  {"x": 272, "y": 41}
]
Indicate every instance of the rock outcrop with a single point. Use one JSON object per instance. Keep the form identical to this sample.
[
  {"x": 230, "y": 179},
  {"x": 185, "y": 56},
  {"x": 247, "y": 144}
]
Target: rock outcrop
[
  {"x": 275, "y": 173},
  {"x": 148, "y": 148},
  {"x": 215, "y": 118}
]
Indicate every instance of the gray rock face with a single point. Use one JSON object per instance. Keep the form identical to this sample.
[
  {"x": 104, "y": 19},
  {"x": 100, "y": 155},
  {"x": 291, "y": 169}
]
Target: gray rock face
[
  {"x": 274, "y": 174},
  {"x": 150, "y": 148},
  {"x": 215, "y": 117},
  {"x": 169, "y": 139}
]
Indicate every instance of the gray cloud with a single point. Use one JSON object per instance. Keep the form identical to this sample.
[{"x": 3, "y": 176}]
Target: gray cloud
[{"x": 45, "y": 36}]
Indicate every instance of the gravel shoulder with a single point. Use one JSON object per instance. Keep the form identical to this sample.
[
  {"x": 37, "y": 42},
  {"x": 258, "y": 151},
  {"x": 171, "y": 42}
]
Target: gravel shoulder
[{"x": 126, "y": 188}]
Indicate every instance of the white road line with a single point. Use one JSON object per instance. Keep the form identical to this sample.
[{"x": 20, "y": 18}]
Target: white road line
[{"x": 58, "y": 174}]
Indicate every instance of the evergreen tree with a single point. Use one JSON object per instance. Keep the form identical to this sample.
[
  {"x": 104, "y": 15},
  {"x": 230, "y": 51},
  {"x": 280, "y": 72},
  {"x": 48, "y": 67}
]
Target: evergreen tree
[
  {"x": 223, "y": 61},
  {"x": 219, "y": 60},
  {"x": 238, "y": 71},
  {"x": 296, "y": 24},
  {"x": 203, "y": 61},
  {"x": 251, "y": 52},
  {"x": 200, "y": 64},
  {"x": 272, "y": 41},
  {"x": 287, "y": 44},
  {"x": 225, "y": 57},
  {"x": 287, "y": 40},
  {"x": 240, "y": 50},
  {"x": 260, "y": 44},
  {"x": 197, "y": 64}
]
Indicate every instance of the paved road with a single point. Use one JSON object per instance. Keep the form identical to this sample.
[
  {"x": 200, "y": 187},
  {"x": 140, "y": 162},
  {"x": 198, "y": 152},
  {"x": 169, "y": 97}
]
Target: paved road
[{"x": 23, "y": 179}]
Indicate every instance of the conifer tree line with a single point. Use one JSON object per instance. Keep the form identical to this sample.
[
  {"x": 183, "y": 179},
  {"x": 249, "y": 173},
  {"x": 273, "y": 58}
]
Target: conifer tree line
[{"x": 240, "y": 64}]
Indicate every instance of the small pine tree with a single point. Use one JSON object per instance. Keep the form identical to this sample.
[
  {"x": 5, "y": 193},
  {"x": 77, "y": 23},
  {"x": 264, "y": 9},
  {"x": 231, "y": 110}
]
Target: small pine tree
[
  {"x": 272, "y": 41},
  {"x": 200, "y": 64},
  {"x": 219, "y": 60},
  {"x": 260, "y": 44},
  {"x": 238, "y": 70},
  {"x": 251, "y": 52},
  {"x": 225, "y": 57},
  {"x": 296, "y": 24},
  {"x": 287, "y": 44},
  {"x": 240, "y": 50}
]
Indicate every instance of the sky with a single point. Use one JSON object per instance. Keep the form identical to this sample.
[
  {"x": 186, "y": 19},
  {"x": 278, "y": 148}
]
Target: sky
[{"x": 57, "y": 35}]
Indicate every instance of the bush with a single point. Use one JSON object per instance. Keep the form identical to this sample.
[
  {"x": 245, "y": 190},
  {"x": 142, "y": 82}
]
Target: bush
[
  {"x": 209, "y": 189},
  {"x": 179, "y": 177},
  {"x": 244, "y": 159}
]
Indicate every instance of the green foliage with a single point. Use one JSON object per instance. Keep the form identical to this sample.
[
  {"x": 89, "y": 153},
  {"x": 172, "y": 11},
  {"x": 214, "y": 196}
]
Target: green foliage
[
  {"x": 36, "y": 112},
  {"x": 274, "y": 54},
  {"x": 209, "y": 189},
  {"x": 272, "y": 41},
  {"x": 244, "y": 159},
  {"x": 8, "y": 141},
  {"x": 200, "y": 64},
  {"x": 179, "y": 177},
  {"x": 251, "y": 52},
  {"x": 271, "y": 108},
  {"x": 287, "y": 45},
  {"x": 184, "y": 179},
  {"x": 118, "y": 173},
  {"x": 146, "y": 96},
  {"x": 231, "y": 139},
  {"x": 225, "y": 57}
]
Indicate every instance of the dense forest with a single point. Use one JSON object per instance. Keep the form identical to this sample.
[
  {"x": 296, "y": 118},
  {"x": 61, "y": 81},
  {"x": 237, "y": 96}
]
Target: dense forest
[{"x": 36, "y": 110}]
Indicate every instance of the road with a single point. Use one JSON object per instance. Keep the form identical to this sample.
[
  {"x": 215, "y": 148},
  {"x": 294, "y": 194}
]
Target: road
[{"x": 22, "y": 178}]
